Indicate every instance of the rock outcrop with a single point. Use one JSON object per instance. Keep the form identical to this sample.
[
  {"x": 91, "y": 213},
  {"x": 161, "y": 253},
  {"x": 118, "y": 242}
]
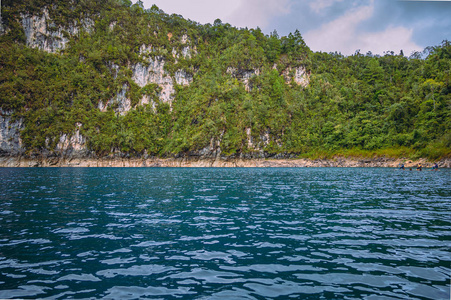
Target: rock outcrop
[
  {"x": 72, "y": 146},
  {"x": 41, "y": 32},
  {"x": 153, "y": 72},
  {"x": 121, "y": 102},
  {"x": 10, "y": 142},
  {"x": 244, "y": 76},
  {"x": 299, "y": 76}
]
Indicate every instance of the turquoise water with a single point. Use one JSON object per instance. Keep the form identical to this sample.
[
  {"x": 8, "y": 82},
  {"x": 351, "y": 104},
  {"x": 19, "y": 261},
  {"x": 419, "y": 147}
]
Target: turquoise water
[{"x": 309, "y": 233}]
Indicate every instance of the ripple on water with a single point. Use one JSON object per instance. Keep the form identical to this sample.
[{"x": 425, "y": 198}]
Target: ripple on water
[
  {"x": 224, "y": 233},
  {"x": 136, "y": 270},
  {"x": 136, "y": 292}
]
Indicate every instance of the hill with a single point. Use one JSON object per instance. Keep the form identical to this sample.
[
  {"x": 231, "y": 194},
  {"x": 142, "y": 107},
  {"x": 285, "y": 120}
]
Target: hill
[{"x": 94, "y": 79}]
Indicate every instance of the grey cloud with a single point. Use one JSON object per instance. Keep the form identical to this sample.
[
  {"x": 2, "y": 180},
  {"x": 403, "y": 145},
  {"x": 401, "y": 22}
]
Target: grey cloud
[
  {"x": 258, "y": 13},
  {"x": 304, "y": 18},
  {"x": 429, "y": 20},
  {"x": 202, "y": 11},
  {"x": 392, "y": 22},
  {"x": 424, "y": 23}
]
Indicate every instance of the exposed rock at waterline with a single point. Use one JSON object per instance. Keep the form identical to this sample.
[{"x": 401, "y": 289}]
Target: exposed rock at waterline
[
  {"x": 216, "y": 162},
  {"x": 72, "y": 146}
]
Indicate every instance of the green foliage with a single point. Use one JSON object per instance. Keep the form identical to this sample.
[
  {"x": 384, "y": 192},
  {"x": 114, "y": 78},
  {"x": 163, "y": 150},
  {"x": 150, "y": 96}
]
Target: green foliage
[{"x": 242, "y": 98}]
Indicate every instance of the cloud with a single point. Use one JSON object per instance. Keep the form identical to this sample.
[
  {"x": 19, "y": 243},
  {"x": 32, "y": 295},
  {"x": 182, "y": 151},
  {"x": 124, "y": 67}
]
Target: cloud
[
  {"x": 391, "y": 39},
  {"x": 330, "y": 25},
  {"x": 258, "y": 13},
  {"x": 340, "y": 31},
  {"x": 344, "y": 35},
  {"x": 239, "y": 13},
  {"x": 202, "y": 11},
  {"x": 429, "y": 20},
  {"x": 319, "y": 5},
  {"x": 306, "y": 15}
]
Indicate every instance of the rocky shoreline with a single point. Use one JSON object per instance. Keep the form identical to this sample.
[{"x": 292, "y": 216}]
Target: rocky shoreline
[{"x": 343, "y": 162}]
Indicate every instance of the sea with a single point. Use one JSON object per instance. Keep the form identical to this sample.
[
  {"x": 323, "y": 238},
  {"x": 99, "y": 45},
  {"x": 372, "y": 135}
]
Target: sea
[{"x": 225, "y": 233}]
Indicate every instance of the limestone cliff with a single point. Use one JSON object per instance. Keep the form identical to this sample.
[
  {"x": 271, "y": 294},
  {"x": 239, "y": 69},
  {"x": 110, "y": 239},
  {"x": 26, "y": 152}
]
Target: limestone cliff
[
  {"x": 73, "y": 146},
  {"x": 10, "y": 142},
  {"x": 114, "y": 83},
  {"x": 42, "y": 33}
]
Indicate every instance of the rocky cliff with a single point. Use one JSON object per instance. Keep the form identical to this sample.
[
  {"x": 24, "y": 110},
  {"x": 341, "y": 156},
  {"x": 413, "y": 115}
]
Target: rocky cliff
[
  {"x": 112, "y": 80},
  {"x": 10, "y": 142},
  {"x": 42, "y": 33}
]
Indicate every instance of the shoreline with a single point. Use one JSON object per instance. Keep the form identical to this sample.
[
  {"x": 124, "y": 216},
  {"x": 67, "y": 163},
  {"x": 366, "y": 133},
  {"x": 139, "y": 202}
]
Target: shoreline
[{"x": 220, "y": 162}]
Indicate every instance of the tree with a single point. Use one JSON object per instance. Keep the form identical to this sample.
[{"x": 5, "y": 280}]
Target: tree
[{"x": 433, "y": 86}]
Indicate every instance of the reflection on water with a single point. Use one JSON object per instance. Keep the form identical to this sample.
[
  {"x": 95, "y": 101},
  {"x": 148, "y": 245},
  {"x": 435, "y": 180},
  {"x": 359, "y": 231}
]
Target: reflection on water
[{"x": 224, "y": 233}]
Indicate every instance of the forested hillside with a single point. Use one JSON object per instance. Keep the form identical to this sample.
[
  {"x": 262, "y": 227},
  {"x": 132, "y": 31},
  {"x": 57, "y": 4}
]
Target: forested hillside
[{"x": 138, "y": 82}]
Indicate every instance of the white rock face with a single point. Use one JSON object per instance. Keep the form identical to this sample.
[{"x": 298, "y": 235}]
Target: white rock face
[
  {"x": 248, "y": 75},
  {"x": 75, "y": 143},
  {"x": 265, "y": 138},
  {"x": 112, "y": 25},
  {"x": 184, "y": 39},
  {"x": 145, "y": 100},
  {"x": 250, "y": 140},
  {"x": 300, "y": 76},
  {"x": 183, "y": 78},
  {"x": 10, "y": 142},
  {"x": 243, "y": 75},
  {"x": 70, "y": 146},
  {"x": 145, "y": 50},
  {"x": 39, "y": 35},
  {"x": 102, "y": 106},
  {"x": 154, "y": 73},
  {"x": 257, "y": 145},
  {"x": 124, "y": 104},
  {"x": 115, "y": 69},
  {"x": 1, "y": 21}
]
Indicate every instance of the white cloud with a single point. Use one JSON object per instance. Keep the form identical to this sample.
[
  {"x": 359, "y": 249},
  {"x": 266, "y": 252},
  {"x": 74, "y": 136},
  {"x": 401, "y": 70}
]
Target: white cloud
[
  {"x": 258, "y": 13},
  {"x": 342, "y": 35},
  {"x": 392, "y": 39},
  {"x": 338, "y": 34},
  {"x": 202, "y": 11},
  {"x": 239, "y": 13},
  {"x": 318, "y": 5}
]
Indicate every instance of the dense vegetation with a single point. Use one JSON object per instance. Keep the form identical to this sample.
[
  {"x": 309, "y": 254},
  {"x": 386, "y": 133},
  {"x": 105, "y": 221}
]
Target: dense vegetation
[{"x": 353, "y": 105}]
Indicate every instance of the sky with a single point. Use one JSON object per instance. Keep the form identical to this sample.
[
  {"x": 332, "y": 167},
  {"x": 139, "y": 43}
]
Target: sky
[{"x": 344, "y": 26}]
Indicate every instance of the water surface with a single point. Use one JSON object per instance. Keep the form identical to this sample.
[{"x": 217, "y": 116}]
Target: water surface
[{"x": 129, "y": 233}]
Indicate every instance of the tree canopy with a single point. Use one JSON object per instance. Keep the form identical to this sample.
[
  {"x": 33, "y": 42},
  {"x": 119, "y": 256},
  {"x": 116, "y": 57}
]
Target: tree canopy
[{"x": 243, "y": 97}]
